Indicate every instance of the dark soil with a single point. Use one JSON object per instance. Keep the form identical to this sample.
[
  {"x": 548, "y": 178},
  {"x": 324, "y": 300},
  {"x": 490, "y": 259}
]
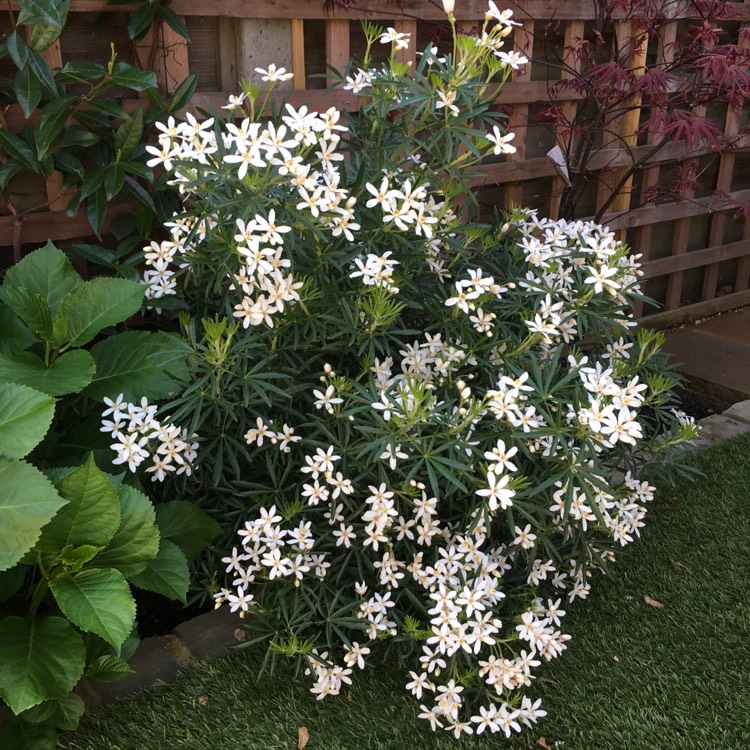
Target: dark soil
[
  {"x": 697, "y": 406},
  {"x": 158, "y": 615}
]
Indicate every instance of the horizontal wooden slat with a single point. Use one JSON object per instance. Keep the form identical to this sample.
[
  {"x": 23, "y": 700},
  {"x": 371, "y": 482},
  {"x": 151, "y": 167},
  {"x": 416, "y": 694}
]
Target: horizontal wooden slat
[
  {"x": 687, "y": 313},
  {"x": 57, "y": 225},
  {"x": 695, "y": 259},
  {"x": 466, "y": 10},
  {"x": 673, "y": 211}
]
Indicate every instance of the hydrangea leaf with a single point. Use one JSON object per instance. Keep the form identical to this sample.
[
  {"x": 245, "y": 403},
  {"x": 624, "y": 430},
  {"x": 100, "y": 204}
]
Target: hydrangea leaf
[
  {"x": 69, "y": 373},
  {"x": 25, "y": 417},
  {"x": 39, "y": 659},
  {"x": 166, "y": 574},
  {"x": 185, "y": 524},
  {"x": 97, "y": 600}
]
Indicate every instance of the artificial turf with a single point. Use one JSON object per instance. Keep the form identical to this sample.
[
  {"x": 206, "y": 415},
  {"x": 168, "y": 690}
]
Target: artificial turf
[{"x": 635, "y": 677}]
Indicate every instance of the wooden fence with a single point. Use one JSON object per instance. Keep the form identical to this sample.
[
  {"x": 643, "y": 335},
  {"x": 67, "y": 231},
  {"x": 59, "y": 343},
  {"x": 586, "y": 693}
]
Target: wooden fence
[{"x": 696, "y": 254}]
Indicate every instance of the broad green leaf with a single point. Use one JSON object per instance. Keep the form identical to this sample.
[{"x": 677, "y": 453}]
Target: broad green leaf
[
  {"x": 25, "y": 736},
  {"x": 140, "y": 22},
  {"x": 166, "y": 574},
  {"x": 174, "y": 22},
  {"x": 185, "y": 524},
  {"x": 92, "y": 514},
  {"x": 25, "y": 417},
  {"x": 51, "y": 123},
  {"x": 28, "y": 90},
  {"x": 47, "y": 272},
  {"x": 15, "y": 335},
  {"x": 16, "y": 147},
  {"x": 136, "y": 543},
  {"x": 69, "y": 165},
  {"x": 137, "y": 364},
  {"x": 17, "y": 50},
  {"x": 11, "y": 580},
  {"x": 77, "y": 557},
  {"x": 28, "y": 502},
  {"x": 63, "y": 713},
  {"x": 75, "y": 135},
  {"x": 98, "y": 601},
  {"x": 69, "y": 373},
  {"x": 8, "y": 171},
  {"x": 39, "y": 659},
  {"x": 134, "y": 78},
  {"x": 34, "y": 11},
  {"x": 98, "y": 304},
  {"x": 32, "y": 308},
  {"x": 108, "y": 668},
  {"x": 129, "y": 135}
]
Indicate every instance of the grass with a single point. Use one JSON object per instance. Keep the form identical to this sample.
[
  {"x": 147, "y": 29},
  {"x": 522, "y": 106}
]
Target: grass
[{"x": 635, "y": 677}]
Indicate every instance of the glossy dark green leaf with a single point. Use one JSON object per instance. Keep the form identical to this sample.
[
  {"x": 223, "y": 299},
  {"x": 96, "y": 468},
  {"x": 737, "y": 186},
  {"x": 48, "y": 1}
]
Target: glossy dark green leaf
[
  {"x": 8, "y": 171},
  {"x": 43, "y": 72},
  {"x": 140, "y": 22},
  {"x": 34, "y": 11},
  {"x": 28, "y": 91},
  {"x": 16, "y": 147},
  {"x": 174, "y": 21},
  {"x": 96, "y": 210},
  {"x": 17, "y": 50},
  {"x": 114, "y": 179},
  {"x": 44, "y": 34},
  {"x": 129, "y": 135},
  {"x": 51, "y": 123},
  {"x": 134, "y": 78},
  {"x": 183, "y": 92}
]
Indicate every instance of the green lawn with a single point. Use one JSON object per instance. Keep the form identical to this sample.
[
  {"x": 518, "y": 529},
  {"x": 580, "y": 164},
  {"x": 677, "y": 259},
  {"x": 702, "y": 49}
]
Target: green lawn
[{"x": 634, "y": 677}]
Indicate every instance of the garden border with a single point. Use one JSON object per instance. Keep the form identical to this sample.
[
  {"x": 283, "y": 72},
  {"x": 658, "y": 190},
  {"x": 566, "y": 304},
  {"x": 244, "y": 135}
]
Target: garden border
[{"x": 159, "y": 659}]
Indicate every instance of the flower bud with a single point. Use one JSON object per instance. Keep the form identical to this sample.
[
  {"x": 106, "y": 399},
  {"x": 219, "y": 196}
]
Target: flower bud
[{"x": 448, "y": 6}]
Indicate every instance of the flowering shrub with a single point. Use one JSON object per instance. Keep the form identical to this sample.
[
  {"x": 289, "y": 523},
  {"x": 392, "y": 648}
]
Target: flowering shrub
[{"x": 426, "y": 429}]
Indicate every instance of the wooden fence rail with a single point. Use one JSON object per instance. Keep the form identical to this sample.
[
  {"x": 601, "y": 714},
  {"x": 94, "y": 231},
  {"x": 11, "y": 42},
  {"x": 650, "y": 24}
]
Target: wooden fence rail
[{"x": 694, "y": 252}]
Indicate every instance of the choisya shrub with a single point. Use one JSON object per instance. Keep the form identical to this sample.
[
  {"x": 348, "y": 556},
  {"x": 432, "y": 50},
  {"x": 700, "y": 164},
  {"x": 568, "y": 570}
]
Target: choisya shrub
[{"x": 428, "y": 431}]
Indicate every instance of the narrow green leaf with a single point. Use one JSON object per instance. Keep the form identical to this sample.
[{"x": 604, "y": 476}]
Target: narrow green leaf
[
  {"x": 129, "y": 135},
  {"x": 16, "y": 147},
  {"x": 51, "y": 123},
  {"x": 92, "y": 514},
  {"x": 174, "y": 22},
  {"x": 134, "y": 78},
  {"x": 98, "y": 601},
  {"x": 28, "y": 90},
  {"x": 166, "y": 574},
  {"x": 17, "y": 50},
  {"x": 25, "y": 417},
  {"x": 98, "y": 304},
  {"x": 136, "y": 543},
  {"x": 43, "y": 72},
  {"x": 39, "y": 659},
  {"x": 47, "y": 272},
  {"x": 114, "y": 179},
  {"x": 183, "y": 92},
  {"x": 96, "y": 210},
  {"x": 69, "y": 373},
  {"x": 185, "y": 524},
  {"x": 140, "y": 193},
  {"x": 140, "y": 22}
]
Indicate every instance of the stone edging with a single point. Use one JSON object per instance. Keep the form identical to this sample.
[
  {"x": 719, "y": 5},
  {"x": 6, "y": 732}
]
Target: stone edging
[{"x": 159, "y": 659}]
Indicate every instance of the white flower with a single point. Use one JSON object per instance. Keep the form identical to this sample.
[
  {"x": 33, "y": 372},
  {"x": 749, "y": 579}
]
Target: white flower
[
  {"x": 401, "y": 40},
  {"x": 273, "y": 74},
  {"x": 502, "y": 142}
]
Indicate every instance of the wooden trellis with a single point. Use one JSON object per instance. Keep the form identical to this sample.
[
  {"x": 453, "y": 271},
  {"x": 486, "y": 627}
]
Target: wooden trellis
[{"x": 696, "y": 257}]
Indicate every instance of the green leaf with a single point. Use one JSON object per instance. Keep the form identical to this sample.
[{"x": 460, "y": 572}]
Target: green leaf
[
  {"x": 137, "y": 364},
  {"x": 166, "y": 574},
  {"x": 69, "y": 373},
  {"x": 92, "y": 514},
  {"x": 97, "y": 601},
  {"x": 17, "y": 148},
  {"x": 129, "y": 135},
  {"x": 29, "y": 736},
  {"x": 17, "y": 50},
  {"x": 134, "y": 78},
  {"x": 183, "y": 92},
  {"x": 28, "y": 90},
  {"x": 96, "y": 210},
  {"x": 75, "y": 135},
  {"x": 32, "y": 308},
  {"x": 39, "y": 659},
  {"x": 64, "y": 713},
  {"x": 44, "y": 34},
  {"x": 185, "y": 524},
  {"x": 98, "y": 304},
  {"x": 141, "y": 194},
  {"x": 34, "y": 11},
  {"x": 140, "y": 22},
  {"x": 25, "y": 417},
  {"x": 47, "y": 272},
  {"x": 108, "y": 668},
  {"x": 136, "y": 543},
  {"x": 69, "y": 164},
  {"x": 114, "y": 179},
  {"x": 15, "y": 336},
  {"x": 8, "y": 171},
  {"x": 11, "y": 580},
  {"x": 51, "y": 123},
  {"x": 174, "y": 21},
  {"x": 42, "y": 71},
  {"x": 77, "y": 557},
  {"x": 28, "y": 502}
]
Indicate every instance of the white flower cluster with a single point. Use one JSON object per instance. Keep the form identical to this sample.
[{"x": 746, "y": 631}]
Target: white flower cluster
[{"x": 139, "y": 435}]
